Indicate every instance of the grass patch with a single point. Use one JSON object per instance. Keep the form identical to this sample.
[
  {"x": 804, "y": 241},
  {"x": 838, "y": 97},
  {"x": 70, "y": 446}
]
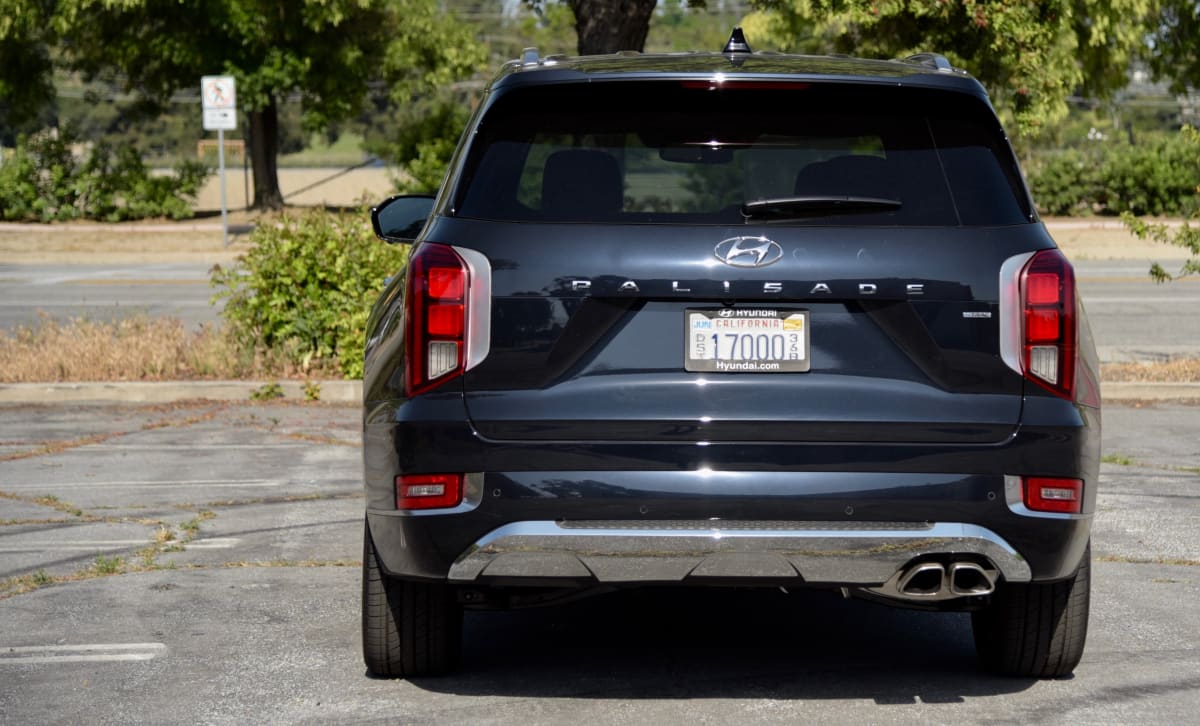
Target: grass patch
[
  {"x": 137, "y": 348},
  {"x": 191, "y": 528},
  {"x": 105, "y": 565},
  {"x": 1119, "y": 459},
  {"x": 1179, "y": 370}
]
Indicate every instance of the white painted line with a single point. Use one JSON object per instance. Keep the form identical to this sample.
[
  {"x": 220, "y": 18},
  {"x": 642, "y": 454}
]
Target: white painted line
[
  {"x": 86, "y": 653},
  {"x": 89, "y": 545},
  {"x": 207, "y": 483},
  {"x": 192, "y": 447},
  {"x": 83, "y": 544},
  {"x": 109, "y": 658},
  {"x": 213, "y": 543}
]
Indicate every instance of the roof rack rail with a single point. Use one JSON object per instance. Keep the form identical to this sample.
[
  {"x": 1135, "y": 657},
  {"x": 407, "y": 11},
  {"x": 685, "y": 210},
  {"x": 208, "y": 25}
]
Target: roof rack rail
[{"x": 936, "y": 61}]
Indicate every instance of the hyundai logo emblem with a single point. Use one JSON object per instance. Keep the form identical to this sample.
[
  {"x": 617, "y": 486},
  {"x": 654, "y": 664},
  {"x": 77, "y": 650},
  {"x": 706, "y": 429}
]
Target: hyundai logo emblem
[{"x": 748, "y": 251}]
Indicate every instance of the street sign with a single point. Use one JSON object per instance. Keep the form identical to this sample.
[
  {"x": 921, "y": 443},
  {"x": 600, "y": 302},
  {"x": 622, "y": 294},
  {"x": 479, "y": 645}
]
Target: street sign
[
  {"x": 218, "y": 94},
  {"x": 218, "y": 99}
]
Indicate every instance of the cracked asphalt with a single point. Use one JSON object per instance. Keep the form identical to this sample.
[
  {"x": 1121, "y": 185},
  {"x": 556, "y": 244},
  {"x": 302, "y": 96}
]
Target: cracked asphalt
[{"x": 199, "y": 563}]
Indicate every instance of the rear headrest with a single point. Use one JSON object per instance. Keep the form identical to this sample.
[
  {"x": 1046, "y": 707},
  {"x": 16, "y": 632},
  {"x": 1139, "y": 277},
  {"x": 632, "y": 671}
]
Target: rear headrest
[
  {"x": 864, "y": 176},
  {"x": 581, "y": 183}
]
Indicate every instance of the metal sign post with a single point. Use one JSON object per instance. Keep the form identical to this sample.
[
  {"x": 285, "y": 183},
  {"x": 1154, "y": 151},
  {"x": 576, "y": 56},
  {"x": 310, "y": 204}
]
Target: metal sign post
[{"x": 218, "y": 95}]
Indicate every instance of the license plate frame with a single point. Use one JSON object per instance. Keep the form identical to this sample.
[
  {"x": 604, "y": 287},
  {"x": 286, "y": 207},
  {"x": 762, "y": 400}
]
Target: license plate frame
[{"x": 764, "y": 326}]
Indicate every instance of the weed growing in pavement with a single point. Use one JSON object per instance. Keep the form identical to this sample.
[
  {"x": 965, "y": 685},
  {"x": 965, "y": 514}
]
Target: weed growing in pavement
[
  {"x": 312, "y": 391},
  {"x": 1119, "y": 459},
  {"x": 104, "y": 565},
  {"x": 192, "y": 526},
  {"x": 267, "y": 392},
  {"x": 41, "y": 577}
]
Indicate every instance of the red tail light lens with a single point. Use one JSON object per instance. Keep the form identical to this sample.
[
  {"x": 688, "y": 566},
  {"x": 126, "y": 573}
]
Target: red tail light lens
[
  {"x": 1052, "y": 494},
  {"x": 428, "y": 491},
  {"x": 437, "y": 317},
  {"x": 1048, "y": 339}
]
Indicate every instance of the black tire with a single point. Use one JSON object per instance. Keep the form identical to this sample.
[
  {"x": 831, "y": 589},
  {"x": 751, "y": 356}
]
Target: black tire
[
  {"x": 408, "y": 628},
  {"x": 1035, "y": 630}
]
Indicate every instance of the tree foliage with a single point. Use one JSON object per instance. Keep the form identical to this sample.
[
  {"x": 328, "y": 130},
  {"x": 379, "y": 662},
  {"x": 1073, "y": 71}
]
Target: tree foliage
[
  {"x": 1187, "y": 235},
  {"x": 25, "y": 64},
  {"x": 1031, "y": 56},
  {"x": 1174, "y": 51},
  {"x": 326, "y": 51}
]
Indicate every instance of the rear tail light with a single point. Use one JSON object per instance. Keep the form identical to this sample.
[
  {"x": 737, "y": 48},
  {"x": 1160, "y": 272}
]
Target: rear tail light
[
  {"x": 1052, "y": 494},
  {"x": 429, "y": 491},
  {"x": 1048, "y": 333},
  {"x": 437, "y": 317}
]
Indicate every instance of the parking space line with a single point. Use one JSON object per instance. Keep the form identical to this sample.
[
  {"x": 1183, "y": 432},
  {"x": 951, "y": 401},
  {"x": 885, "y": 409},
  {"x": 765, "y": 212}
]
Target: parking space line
[
  {"x": 193, "y": 447},
  {"x": 83, "y": 484},
  {"x": 84, "y": 653},
  {"x": 88, "y": 545}
]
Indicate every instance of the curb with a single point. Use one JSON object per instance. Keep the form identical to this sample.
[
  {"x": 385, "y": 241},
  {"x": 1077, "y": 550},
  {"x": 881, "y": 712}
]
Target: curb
[{"x": 342, "y": 391}]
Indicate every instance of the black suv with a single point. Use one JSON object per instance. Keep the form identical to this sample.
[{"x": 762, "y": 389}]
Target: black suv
[{"x": 729, "y": 318}]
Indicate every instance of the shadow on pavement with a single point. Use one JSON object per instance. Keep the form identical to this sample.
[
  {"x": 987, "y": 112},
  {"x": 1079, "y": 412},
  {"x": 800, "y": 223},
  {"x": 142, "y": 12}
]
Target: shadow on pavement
[{"x": 719, "y": 643}]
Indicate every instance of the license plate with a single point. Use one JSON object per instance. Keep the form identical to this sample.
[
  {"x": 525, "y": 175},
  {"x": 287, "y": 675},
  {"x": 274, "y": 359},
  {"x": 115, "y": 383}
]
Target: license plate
[{"x": 746, "y": 340}]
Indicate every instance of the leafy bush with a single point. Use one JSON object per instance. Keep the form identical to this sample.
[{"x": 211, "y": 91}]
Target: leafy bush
[
  {"x": 1157, "y": 178},
  {"x": 305, "y": 287},
  {"x": 1067, "y": 183},
  {"x": 44, "y": 182}
]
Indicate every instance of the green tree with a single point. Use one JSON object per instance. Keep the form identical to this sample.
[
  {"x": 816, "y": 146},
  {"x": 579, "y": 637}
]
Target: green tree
[
  {"x": 25, "y": 63},
  {"x": 1031, "y": 56},
  {"x": 1174, "y": 50},
  {"x": 1175, "y": 56},
  {"x": 325, "y": 51},
  {"x": 607, "y": 26}
]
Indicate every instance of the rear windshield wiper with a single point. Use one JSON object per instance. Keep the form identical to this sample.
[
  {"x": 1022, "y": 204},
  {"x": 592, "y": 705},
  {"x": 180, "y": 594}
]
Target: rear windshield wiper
[{"x": 790, "y": 207}]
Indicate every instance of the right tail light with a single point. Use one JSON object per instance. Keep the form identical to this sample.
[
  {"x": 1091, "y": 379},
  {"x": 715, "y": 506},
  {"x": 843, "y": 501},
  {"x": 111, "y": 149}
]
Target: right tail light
[
  {"x": 1049, "y": 334},
  {"x": 1039, "y": 325}
]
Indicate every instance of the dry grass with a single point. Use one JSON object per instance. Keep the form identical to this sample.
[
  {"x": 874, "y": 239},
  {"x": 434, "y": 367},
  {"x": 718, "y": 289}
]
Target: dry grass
[
  {"x": 136, "y": 349},
  {"x": 1180, "y": 370}
]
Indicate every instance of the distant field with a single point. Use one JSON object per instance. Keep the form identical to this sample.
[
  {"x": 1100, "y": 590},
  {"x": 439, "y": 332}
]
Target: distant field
[{"x": 329, "y": 186}]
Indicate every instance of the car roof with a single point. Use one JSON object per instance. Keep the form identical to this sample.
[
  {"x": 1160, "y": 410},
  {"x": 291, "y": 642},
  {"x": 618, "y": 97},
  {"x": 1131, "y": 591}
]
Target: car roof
[{"x": 925, "y": 70}]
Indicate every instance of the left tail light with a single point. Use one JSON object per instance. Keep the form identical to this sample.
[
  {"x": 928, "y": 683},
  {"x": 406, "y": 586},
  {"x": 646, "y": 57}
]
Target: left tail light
[
  {"x": 448, "y": 313},
  {"x": 429, "y": 491}
]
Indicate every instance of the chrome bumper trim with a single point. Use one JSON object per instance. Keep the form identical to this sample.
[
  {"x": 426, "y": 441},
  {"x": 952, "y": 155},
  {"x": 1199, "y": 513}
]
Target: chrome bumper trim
[{"x": 866, "y": 554}]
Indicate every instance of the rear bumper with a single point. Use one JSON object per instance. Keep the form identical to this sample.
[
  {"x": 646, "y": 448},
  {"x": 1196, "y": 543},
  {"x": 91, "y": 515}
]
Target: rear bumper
[
  {"x": 677, "y": 551},
  {"x": 840, "y": 514}
]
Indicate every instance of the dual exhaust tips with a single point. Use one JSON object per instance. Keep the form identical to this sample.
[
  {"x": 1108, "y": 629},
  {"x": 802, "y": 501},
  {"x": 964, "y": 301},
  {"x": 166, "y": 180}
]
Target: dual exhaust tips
[{"x": 932, "y": 581}]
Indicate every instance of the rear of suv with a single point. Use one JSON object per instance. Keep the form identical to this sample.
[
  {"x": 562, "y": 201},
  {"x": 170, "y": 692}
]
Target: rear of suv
[{"x": 736, "y": 319}]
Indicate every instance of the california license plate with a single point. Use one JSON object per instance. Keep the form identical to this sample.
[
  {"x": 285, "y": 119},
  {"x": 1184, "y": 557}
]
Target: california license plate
[{"x": 746, "y": 340}]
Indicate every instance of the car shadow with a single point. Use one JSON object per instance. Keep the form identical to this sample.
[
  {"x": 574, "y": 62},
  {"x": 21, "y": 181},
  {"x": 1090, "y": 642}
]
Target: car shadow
[{"x": 722, "y": 643}]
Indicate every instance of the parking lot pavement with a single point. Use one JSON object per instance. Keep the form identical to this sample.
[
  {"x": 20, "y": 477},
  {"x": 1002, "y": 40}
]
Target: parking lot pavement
[{"x": 199, "y": 563}]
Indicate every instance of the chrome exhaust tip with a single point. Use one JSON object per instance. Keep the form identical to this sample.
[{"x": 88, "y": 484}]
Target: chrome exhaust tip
[
  {"x": 969, "y": 579},
  {"x": 926, "y": 580}
]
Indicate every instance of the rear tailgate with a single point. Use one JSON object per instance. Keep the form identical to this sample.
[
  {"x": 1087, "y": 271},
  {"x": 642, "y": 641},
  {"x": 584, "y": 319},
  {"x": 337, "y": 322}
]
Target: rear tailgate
[{"x": 589, "y": 330}]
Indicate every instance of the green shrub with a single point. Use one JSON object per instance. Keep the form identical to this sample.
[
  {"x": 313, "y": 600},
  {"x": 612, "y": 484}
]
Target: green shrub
[
  {"x": 305, "y": 287},
  {"x": 44, "y": 182},
  {"x": 1157, "y": 178},
  {"x": 1067, "y": 183}
]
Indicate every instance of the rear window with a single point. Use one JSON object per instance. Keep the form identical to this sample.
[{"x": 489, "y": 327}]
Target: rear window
[{"x": 670, "y": 153}]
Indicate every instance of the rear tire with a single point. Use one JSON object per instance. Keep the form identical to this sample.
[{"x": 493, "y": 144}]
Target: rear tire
[
  {"x": 1035, "y": 630},
  {"x": 408, "y": 628}
]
